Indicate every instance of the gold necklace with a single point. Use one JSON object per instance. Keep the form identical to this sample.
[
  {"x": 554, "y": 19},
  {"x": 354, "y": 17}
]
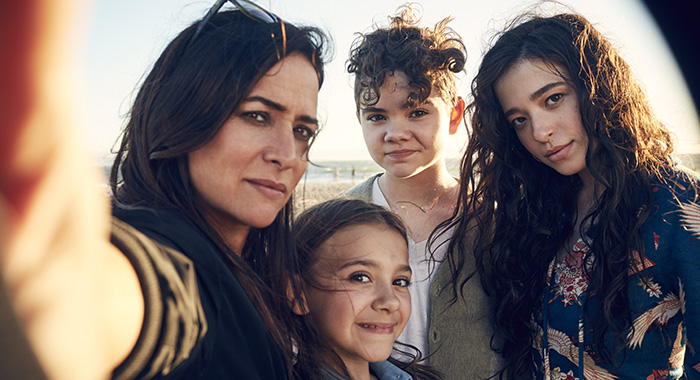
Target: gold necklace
[{"x": 425, "y": 209}]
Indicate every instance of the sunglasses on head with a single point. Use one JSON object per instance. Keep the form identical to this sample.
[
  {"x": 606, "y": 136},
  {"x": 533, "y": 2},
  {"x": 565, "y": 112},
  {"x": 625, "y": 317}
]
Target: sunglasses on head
[{"x": 248, "y": 8}]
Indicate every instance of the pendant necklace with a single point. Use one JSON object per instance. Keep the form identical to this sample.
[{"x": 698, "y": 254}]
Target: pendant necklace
[{"x": 425, "y": 209}]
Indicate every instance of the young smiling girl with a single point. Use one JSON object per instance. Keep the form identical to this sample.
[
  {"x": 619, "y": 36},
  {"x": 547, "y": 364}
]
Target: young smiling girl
[
  {"x": 353, "y": 264},
  {"x": 587, "y": 232}
]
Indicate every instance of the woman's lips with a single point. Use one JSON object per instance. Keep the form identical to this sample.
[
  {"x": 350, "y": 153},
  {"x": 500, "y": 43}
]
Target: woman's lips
[{"x": 270, "y": 189}]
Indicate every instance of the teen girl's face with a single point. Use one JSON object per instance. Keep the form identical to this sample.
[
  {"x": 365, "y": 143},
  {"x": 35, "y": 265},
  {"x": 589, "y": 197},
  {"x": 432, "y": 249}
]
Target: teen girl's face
[
  {"x": 407, "y": 140},
  {"x": 543, "y": 109},
  {"x": 247, "y": 172},
  {"x": 361, "y": 301}
]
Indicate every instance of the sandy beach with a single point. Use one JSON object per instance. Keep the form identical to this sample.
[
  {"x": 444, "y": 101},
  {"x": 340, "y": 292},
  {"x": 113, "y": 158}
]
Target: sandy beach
[{"x": 309, "y": 194}]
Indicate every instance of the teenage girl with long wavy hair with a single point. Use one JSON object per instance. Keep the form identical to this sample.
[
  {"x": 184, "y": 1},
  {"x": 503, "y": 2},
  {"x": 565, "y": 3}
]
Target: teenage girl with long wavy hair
[{"x": 585, "y": 231}]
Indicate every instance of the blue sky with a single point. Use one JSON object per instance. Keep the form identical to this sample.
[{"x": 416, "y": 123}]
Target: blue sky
[{"x": 124, "y": 37}]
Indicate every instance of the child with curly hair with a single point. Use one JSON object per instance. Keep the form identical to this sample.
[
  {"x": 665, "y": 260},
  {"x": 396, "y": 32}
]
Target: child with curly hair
[{"x": 408, "y": 107}]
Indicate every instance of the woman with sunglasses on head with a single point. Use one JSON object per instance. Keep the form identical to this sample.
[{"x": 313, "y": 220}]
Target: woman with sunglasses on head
[
  {"x": 215, "y": 144},
  {"x": 585, "y": 228}
]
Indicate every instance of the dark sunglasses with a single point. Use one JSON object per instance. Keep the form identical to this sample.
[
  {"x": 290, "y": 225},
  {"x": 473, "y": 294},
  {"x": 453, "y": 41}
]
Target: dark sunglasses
[{"x": 248, "y": 8}]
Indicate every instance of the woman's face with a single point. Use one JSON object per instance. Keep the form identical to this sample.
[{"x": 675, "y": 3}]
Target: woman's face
[
  {"x": 247, "y": 172},
  {"x": 543, "y": 109}
]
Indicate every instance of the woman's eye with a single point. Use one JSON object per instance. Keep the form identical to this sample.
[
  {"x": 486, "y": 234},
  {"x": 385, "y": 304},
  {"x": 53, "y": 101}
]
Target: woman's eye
[
  {"x": 257, "y": 117},
  {"x": 359, "y": 277},
  {"x": 304, "y": 132},
  {"x": 402, "y": 282}
]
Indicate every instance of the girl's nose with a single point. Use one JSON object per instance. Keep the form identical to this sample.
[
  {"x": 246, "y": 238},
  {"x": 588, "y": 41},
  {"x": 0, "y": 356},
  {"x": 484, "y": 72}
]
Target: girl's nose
[
  {"x": 397, "y": 131},
  {"x": 543, "y": 128},
  {"x": 386, "y": 299}
]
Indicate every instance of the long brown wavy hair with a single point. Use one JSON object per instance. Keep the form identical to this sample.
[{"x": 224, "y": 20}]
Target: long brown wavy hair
[
  {"x": 519, "y": 212},
  {"x": 190, "y": 92}
]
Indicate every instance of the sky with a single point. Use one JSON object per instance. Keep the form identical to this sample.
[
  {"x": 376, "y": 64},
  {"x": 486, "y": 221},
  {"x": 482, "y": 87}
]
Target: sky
[{"x": 124, "y": 37}]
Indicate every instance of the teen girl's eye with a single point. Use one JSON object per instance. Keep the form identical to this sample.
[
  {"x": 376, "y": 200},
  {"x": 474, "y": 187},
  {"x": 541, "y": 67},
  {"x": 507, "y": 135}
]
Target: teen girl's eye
[
  {"x": 554, "y": 99},
  {"x": 518, "y": 122},
  {"x": 360, "y": 277},
  {"x": 402, "y": 282}
]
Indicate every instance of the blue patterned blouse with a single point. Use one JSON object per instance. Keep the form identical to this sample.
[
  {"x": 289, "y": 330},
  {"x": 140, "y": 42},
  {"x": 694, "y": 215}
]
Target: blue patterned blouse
[{"x": 665, "y": 309}]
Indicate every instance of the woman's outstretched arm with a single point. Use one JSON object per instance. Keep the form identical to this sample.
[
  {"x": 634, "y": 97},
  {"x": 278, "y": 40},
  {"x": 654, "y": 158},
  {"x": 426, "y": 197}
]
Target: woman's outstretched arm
[{"x": 76, "y": 296}]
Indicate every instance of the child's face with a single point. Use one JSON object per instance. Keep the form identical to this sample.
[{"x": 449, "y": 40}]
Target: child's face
[
  {"x": 543, "y": 109},
  {"x": 362, "y": 302},
  {"x": 404, "y": 140}
]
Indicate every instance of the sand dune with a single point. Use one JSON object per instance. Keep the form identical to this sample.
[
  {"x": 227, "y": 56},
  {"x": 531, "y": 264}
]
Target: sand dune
[{"x": 309, "y": 194}]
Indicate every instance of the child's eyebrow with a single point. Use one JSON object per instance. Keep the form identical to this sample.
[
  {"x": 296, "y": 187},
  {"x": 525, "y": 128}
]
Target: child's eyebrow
[
  {"x": 371, "y": 264},
  {"x": 365, "y": 263},
  {"x": 372, "y": 109}
]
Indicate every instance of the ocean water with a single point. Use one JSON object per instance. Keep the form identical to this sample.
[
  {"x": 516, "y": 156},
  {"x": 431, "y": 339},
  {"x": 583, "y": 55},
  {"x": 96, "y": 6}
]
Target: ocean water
[
  {"x": 353, "y": 171},
  {"x": 340, "y": 171}
]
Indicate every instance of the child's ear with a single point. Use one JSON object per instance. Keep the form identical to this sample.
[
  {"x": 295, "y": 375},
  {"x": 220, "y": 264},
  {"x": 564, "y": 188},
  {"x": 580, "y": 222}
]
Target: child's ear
[
  {"x": 456, "y": 115},
  {"x": 357, "y": 114},
  {"x": 299, "y": 306}
]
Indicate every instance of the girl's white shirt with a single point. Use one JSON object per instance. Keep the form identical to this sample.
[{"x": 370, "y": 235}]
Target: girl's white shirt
[{"x": 424, "y": 270}]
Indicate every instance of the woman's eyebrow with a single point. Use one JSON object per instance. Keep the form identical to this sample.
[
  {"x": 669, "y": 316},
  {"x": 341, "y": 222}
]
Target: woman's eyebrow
[{"x": 279, "y": 107}]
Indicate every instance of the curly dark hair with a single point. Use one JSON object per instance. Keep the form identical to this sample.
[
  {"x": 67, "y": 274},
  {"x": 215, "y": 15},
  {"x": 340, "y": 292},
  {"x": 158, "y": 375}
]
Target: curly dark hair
[
  {"x": 520, "y": 212},
  {"x": 428, "y": 56}
]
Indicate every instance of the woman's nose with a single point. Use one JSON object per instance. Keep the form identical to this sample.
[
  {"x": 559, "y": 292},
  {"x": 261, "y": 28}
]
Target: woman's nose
[{"x": 282, "y": 148}]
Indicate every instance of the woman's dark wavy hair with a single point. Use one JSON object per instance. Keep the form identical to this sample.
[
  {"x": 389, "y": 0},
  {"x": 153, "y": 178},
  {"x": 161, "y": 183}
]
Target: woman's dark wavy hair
[
  {"x": 186, "y": 98},
  {"x": 428, "y": 56},
  {"x": 519, "y": 212},
  {"x": 312, "y": 228}
]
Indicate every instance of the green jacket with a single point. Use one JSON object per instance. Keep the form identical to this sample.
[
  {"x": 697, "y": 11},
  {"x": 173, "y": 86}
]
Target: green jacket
[{"x": 459, "y": 334}]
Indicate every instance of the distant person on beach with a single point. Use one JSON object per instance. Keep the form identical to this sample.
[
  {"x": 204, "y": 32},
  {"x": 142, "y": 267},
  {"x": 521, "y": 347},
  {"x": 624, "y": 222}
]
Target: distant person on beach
[
  {"x": 408, "y": 107},
  {"x": 587, "y": 232},
  {"x": 353, "y": 263},
  {"x": 191, "y": 286}
]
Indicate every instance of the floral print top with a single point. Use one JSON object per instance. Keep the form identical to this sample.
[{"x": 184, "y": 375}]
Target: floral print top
[{"x": 665, "y": 309}]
